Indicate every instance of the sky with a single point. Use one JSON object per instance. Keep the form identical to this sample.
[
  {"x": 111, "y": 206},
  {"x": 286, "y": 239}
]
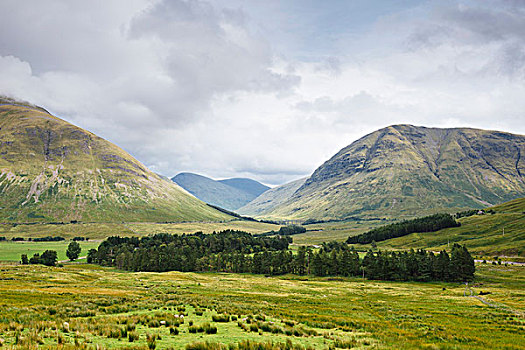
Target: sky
[{"x": 263, "y": 89}]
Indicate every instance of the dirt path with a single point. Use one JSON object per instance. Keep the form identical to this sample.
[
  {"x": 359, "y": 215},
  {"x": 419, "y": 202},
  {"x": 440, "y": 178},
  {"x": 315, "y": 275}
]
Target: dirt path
[
  {"x": 502, "y": 262},
  {"x": 470, "y": 294}
]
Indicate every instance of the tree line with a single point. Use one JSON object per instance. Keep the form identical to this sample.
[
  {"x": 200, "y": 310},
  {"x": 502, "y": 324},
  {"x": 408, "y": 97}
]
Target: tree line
[
  {"x": 50, "y": 257},
  {"x": 239, "y": 252},
  {"x": 425, "y": 224},
  {"x": 289, "y": 230},
  {"x": 167, "y": 252}
]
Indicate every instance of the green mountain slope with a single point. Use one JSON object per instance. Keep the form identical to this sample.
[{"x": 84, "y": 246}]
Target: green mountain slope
[
  {"x": 228, "y": 194},
  {"x": 500, "y": 233},
  {"x": 250, "y": 186},
  {"x": 53, "y": 171},
  {"x": 264, "y": 203},
  {"x": 406, "y": 171}
]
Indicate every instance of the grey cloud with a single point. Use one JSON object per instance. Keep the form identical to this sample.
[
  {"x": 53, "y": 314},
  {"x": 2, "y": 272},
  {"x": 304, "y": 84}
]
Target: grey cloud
[
  {"x": 469, "y": 24},
  {"x": 194, "y": 86}
]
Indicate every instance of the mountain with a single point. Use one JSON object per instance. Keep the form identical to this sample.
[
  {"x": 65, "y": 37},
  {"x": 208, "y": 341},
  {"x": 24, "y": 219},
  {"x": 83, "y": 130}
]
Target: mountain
[
  {"x": 250, "y": 186},
  {"x": 271, "y": 198},
  {"x": 498, "y": 231},
  {"x": 407, "y": 171},
  {"x": 229, "y": 194},
  {"x": 53, "y": 171}
]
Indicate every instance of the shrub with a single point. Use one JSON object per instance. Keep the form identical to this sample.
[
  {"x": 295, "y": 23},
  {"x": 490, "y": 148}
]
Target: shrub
[
  {"x": 208, "y": 329},
  {"x": 220, "y": 318},
  {"x": 345, "y": 343},
  {"x": 206, "y": 346},
  {"x": 132, "y": 337}
]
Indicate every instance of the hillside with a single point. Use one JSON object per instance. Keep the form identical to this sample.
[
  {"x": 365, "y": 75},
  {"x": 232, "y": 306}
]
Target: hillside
[
  {"x": 250, "y": 186},
  {"x": 501, "y": 233},
  {"x": 271, "y": 198},
  {"x": 229, "y": 194},
  {"x": 408, "y": 171},
  {"x": 53, "y": 171}
]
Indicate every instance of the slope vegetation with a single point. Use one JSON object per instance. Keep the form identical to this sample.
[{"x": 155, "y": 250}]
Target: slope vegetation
[
  {"x": 255, "y": 188},
  {"x": 229, "y": 194},
  {"x": 408, "y": 171},
  {"x": 500, "y": 230},
  {"x": 271, "y": 198},
  {"x": 53, "y": 171}
]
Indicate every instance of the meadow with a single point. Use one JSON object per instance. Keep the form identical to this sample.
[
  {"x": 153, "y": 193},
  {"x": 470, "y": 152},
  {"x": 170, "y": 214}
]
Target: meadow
[
  {"x": 11, "y": 251},
  {"x": 86, "y": 306},
  {"x": 499, "y": 234},
  {"x": 96, "y": 232},
  {"x": 100, "y": 231}
]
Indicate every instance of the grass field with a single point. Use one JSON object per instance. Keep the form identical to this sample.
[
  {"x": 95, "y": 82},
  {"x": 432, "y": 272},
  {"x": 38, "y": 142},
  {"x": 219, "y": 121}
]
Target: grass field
[
  {"x": 335, "y": 231},
  {"x": 99, "y": 304},
  {"x": 502, "y": 233},
  {"x": 103, "y": 230},
  {"x": 11, "y": 251}
]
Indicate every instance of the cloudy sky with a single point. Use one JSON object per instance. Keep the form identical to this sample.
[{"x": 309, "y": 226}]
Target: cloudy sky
[{"x": 263, "y": 89}]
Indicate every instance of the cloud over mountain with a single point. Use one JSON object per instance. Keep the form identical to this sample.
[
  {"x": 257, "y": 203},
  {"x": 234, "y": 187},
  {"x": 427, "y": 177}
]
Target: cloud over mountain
[{"x": 264, "y": 90}]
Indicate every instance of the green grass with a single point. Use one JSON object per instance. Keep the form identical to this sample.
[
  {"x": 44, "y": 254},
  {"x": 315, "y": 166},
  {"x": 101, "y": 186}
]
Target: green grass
[
  {"x": 380, "y": 315},
  {"x": 482, "y": 234},
  {"x": 11, "y": 251},
  {"x": 101, "y": 231},
  {"x": 334, "y": 231}
]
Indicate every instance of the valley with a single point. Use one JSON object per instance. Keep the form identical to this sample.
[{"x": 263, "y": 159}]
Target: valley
[
  {"x": 262, "y": 175},
  {"x": 292, "y": 289}
]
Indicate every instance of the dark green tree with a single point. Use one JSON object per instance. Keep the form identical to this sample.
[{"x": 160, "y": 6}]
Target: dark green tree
[
  {"x": 300, "y": 262},
  {"x": 35, "y": 259},
  {"x": 49, "y": 258},
  {"x": 24, "y": 259},
  {"x": 92, "y": 256},
  {"x": 461, "y": 264},
  {"x": 73, "y": 250}
]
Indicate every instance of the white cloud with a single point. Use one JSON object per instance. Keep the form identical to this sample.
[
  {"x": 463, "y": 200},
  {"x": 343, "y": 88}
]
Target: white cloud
[{"x": 195, "y": 86}]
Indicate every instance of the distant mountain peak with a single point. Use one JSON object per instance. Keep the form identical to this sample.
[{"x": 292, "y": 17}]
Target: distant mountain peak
[{"x": 229, "y": 194}]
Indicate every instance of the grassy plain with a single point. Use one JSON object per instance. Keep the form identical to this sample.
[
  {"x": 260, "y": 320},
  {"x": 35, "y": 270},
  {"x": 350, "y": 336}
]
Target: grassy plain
[
  {"x": 35, "y": 301},
  {"x": 101, "y": 231},
  {"x": 335, "y": 231},
  {"x": 502, "y": 233},
  {"x": 96, "y": 232},
  {"x": 11, "y": 251}
]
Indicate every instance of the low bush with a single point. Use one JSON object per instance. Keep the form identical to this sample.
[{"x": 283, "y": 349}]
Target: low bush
[{"x": 220, "y": 318}]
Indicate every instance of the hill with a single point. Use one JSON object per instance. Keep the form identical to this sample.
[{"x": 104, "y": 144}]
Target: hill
[
  {"x": 53, "y": 171},
  {"x": 408, "y": 171},
  {"x": 229, "y": 194},
  {"x": 271, "y": 198},
  {"x": 255, "y": 188},
  {"x": 499, "y": 231}
]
